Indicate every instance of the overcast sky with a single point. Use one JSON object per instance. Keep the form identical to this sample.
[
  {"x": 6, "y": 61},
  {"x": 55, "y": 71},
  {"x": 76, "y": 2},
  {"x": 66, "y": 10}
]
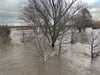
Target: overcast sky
[
  {"x": 10, "y": 10},
  {"x": 94, "y": 8}
]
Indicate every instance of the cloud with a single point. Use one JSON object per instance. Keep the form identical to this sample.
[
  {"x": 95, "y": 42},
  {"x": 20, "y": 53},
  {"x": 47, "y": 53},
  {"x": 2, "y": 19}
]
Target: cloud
[
  {"x": 10, "y": 10},
  {"x": 95, "y": 11},
  {"x": 2, "y": 1}
]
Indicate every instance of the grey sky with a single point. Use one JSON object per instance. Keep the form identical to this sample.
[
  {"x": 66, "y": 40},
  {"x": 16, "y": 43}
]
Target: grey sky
[
  {"x": 95, "y": 10},
  {"x": 94, "y": 7},
  {"x": 10, "y": 10}
]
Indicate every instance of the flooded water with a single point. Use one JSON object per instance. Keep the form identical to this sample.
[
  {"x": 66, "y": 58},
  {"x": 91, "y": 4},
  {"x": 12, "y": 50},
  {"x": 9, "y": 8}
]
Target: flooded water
[{"x": 17, "y": 58}]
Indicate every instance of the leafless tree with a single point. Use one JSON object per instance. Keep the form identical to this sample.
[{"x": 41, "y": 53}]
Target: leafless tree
[
  {"x": 83, "y": 19},
  {"x": 40, "y": 43},
  {"x": 23, "y": 34},
  {"x": 94, "y": 44},
  {"x": 4, "y": 33},
  {"x": 51, "y": 16}
]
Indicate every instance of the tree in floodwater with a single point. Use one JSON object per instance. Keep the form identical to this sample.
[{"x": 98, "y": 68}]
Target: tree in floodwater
[
  {"x": 40, "y": 44},
  {"x": 51, "y": 16},
  {"x": 23, "y": 34},
  {"x": 94, "y": 44},
  {"x": 4, "y": 34}
]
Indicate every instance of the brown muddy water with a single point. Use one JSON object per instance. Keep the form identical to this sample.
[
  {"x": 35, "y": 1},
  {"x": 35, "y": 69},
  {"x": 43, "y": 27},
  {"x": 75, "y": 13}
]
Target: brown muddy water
[{"x": 18, "y": 58}]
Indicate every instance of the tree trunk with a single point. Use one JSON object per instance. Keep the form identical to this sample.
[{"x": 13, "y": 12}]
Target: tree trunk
[
  {"x": 92, "y": 54},
  {"x": 53, "y": 41},
  {"x": 53, "y": 44},
  {"x": 79, "y": 29}
]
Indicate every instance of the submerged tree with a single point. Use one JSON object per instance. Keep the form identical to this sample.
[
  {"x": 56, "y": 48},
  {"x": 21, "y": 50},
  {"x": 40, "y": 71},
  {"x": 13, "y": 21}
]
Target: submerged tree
[
  {"x": 94, "y": 44},
  {"x": 5, "y": 34},
  {"x": 51, "y": 16}
]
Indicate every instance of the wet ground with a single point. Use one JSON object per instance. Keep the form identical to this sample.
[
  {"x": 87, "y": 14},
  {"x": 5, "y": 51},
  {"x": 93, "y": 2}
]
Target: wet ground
[{"x": 17, "y": 58}]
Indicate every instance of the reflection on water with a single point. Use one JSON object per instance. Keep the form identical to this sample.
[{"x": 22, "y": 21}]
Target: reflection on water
[{"x": 17, "y": 58}]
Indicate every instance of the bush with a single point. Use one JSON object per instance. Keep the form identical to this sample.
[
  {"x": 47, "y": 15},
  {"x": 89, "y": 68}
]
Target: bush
[{"x": 4, "y": 34}]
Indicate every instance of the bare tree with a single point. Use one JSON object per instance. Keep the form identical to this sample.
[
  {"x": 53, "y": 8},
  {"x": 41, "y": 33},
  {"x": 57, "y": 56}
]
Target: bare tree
[
  {"x": 94, "y": 44},
  {"x": 40, "y": 43},
  {"x": 51, "y": 16},
  {"x": 4, "y": 33},
  {"x": 83, "y": 19},
  {"x": 23, "y": 34}
]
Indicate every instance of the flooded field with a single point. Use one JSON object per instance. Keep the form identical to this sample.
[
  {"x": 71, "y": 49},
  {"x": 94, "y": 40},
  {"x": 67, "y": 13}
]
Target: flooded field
[{"x": 17, "y": 58}]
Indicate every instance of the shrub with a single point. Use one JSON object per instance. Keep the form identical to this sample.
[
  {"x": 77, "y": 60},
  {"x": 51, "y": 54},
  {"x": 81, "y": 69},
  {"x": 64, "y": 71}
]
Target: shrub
[{"x": 4, "y": 34}]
